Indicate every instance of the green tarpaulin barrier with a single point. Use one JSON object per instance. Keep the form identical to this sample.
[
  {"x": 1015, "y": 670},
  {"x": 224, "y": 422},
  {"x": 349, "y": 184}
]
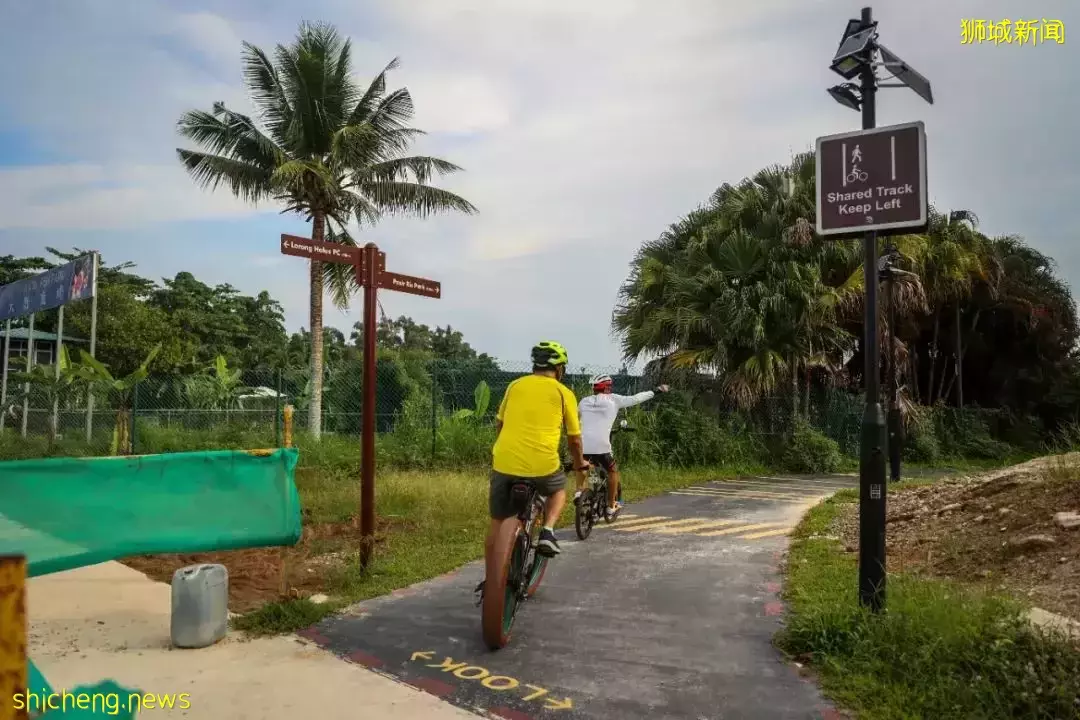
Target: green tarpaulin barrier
[{"x": 64, "y": 513}]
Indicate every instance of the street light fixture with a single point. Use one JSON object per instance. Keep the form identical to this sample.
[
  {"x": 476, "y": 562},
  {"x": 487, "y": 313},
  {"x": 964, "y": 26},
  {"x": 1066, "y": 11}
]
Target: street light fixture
[
  {"x": 846, "y": 94},
  {"x": 855, "y": 51}
]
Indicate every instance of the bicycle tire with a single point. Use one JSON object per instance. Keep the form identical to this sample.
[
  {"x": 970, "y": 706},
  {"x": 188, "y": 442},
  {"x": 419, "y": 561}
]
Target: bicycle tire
[
  {"x": 497, "y": 617},
  {"x": 583, "y": 515}
]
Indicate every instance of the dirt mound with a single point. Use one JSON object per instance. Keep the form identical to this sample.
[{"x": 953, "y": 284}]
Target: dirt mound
[{"x": 1015, "y": 529}]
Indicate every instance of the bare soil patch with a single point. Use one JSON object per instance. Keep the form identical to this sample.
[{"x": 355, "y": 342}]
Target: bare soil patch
[
  {"x": 996, "y": 528},
  {"x": 261, "y": 575}
]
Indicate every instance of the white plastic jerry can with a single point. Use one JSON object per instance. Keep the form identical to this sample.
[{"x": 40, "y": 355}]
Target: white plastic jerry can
[{"x": 200, "y": 605}]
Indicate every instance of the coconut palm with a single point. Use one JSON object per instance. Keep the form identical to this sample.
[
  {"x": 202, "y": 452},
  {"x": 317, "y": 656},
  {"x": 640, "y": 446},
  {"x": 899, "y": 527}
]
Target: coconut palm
[{"x": 322, "y": 148}]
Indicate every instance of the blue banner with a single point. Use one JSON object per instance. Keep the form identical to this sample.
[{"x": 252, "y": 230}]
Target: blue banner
[{"x": 76, "y": 280}]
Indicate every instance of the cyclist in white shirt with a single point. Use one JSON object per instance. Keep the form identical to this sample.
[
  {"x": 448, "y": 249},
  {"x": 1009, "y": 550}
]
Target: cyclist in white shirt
[{"x": 598, "y": 413}]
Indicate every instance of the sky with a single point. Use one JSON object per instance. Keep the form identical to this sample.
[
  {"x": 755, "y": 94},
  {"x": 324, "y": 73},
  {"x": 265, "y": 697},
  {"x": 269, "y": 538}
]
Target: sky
[{"x": 584, "y": 130}]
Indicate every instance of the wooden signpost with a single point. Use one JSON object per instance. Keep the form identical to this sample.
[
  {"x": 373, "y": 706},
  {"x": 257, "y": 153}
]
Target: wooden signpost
[{"x": 369, "y": 264}]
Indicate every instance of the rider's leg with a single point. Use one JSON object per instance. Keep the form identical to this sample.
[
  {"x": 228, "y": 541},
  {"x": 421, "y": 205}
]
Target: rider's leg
[
  {"x": 554, "y": 489},
  {"x": 554, "y": 507},
  {"x": 613, "y": 481}
]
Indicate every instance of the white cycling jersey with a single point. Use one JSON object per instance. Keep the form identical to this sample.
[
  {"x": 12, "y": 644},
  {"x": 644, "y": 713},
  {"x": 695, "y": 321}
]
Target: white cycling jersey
[{"x": 598, "y": 413}]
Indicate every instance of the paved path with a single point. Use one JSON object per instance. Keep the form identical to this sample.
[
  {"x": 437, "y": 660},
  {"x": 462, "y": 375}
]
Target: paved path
[{"x": 667, "y": 613}]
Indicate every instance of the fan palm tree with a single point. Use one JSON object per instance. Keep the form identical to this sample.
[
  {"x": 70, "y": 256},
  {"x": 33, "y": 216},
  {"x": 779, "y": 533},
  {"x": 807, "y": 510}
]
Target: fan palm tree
[{"x": 324, "y": 149}]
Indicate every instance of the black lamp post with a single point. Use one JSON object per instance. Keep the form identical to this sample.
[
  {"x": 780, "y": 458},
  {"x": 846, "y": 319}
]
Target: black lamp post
[{"x": 857, "y": 57}]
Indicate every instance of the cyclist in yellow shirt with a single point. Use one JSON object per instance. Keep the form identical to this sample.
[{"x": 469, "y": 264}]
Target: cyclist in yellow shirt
[{"x": 531, "y": 417}]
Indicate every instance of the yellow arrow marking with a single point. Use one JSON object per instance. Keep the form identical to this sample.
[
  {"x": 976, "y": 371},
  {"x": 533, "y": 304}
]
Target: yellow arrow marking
[
  {"x": 553, "y": 704},
  {"x": 660, "y": 524},
  {"x": 425, "y": 654},
  {"x": 734, "y": 530},
  {"x": 767, "y": 533},
  {"x": 695, "y": 528}
]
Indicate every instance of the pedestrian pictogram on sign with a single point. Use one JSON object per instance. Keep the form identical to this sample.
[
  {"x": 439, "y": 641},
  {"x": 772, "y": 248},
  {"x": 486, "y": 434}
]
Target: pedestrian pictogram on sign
[{"x": 872, "y": 180}]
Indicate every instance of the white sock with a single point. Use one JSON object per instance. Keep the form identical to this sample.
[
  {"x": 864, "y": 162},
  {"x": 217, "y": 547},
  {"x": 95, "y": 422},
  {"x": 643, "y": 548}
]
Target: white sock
[{"x": 549, "y": 529}]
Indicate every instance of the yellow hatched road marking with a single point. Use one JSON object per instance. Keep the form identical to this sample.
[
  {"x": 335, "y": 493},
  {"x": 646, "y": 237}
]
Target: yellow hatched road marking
[
  {"x": 734, "y": 530},
  {"x": 695, "y": 528},
  {"x": 637, "y": 521},
  {"x": 742, "y": 494},
  {"x": 782, "y": 486},
  {"x": 767, "y": 533},
  {"x": 741, "y": 490},
  {"x": 655, "y": 525}
]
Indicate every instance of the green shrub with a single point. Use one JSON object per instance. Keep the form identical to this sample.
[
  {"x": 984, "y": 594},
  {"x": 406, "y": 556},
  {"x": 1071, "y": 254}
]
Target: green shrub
[
  {"x": 810, "y": 451},
  {"x": 921, "y": 443}
]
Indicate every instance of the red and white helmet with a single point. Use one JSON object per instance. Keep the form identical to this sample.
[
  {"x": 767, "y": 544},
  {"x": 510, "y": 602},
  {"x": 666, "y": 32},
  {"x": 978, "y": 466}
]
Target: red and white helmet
[{"x": 602, "y": 383}]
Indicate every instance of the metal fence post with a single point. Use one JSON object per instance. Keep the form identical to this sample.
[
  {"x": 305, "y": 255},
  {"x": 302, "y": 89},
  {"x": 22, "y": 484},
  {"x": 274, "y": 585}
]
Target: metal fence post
[
  {"x": 134, "y": 415},
  {"x": 277, "y": 412},
  {"x": 434, "y": 410}
]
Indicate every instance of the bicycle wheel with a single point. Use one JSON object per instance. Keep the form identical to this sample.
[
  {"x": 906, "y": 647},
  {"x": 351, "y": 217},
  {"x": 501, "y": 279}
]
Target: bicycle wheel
[
  {"x": 583, "y": 515},
  {"x": 503, "y": 584}
]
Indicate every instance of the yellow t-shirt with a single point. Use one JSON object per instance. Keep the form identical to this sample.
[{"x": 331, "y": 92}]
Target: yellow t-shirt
[{"x": 533, "y": 411}]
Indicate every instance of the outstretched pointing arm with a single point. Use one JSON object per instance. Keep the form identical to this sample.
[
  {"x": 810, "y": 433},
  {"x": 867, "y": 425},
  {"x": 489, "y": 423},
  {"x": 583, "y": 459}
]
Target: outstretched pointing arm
[{"x": 625, "y": 401}]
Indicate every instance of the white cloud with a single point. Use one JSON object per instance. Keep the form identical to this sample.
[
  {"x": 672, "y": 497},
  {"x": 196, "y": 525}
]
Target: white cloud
[{"x": 83, "y": 196}]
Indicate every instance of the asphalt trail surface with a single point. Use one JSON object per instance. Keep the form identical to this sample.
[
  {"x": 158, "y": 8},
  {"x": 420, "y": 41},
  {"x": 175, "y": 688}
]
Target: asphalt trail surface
[{"x": 667, "y": 613}]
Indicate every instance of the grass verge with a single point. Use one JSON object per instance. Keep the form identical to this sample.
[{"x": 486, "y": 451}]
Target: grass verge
[
  {"x": 430, "y": 523},
  {"x": 940, "y": 650}
]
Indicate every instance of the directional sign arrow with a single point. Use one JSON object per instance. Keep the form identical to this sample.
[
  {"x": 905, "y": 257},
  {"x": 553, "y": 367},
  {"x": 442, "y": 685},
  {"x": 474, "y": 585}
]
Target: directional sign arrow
[
  {"x": 425, "y": 654},
  {"x": 553, "y": 704}
]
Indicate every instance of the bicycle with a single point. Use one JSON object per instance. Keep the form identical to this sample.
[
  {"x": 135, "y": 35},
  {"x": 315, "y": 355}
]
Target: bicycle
[
  {"x": 593, "y": 503},
  {"x": 857, "y": 175},
  {"x": 515, "y": 564}
]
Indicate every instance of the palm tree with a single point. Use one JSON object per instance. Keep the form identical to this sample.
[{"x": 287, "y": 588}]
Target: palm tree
[{"x": 325, "y": 150}]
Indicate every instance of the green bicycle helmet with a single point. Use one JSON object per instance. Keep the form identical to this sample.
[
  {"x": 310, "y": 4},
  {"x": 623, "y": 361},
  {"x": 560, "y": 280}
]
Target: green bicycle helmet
[{"x": 549, "y": 354}]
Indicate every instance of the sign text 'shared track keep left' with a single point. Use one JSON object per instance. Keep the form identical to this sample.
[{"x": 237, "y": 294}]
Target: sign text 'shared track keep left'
[{"x": 872, "y": 180}]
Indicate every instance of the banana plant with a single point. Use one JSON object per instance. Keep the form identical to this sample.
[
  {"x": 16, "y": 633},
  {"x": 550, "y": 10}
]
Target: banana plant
[
  {"x": 481, "y": 401},
  {"x": 101, "y": 379},
  {"x": 219, "y": 389}
]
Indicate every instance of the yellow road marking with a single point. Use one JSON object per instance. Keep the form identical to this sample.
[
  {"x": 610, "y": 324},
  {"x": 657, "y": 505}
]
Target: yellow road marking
[
  {"x": 734, "y": 530},
  {"x": 778, "y": 493},
  {"x": 695, "y": 528},
  {"x": 767, "y": 533},
  {"x": 655, "y": 525},
  {"x": 743, "y": 494},
  {"x": 627, "y": 517},
  {"x": 782, "y": 486},
  {"x": 637, "y": 521}
]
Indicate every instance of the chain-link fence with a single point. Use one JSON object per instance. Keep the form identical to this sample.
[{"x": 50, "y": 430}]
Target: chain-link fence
[{"x": 433, "y": 412}]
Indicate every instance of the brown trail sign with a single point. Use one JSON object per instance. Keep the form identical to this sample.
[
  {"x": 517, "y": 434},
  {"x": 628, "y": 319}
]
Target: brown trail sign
[
  {"x": 371, "y": 274},
  {"x": 872, "y": 180},
  {"x": 323, "y": 252}
]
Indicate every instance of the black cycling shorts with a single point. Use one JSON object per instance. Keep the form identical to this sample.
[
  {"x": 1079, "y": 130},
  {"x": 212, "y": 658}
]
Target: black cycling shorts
[{"x": 606, "y": 461}]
